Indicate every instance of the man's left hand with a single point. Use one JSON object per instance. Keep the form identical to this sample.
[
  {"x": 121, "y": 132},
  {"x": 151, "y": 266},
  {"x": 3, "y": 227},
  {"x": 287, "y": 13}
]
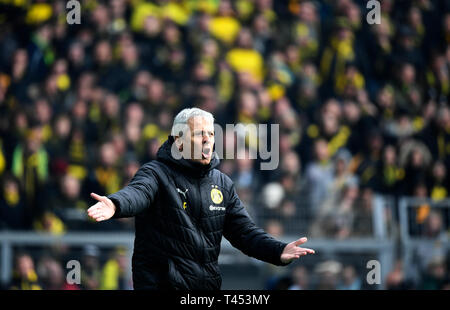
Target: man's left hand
[{"x": 292, "y": 251}]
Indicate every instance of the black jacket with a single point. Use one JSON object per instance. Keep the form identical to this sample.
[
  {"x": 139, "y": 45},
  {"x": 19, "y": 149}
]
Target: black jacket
[{"x": 181, "y": 211}]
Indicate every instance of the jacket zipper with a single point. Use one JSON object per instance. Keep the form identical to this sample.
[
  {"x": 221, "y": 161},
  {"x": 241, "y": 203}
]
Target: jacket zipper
[{"x": 200, "y": 230}]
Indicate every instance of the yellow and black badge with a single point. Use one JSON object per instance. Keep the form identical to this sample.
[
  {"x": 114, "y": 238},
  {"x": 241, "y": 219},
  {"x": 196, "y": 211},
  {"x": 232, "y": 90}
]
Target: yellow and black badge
[{"x": 216, "y": 195}]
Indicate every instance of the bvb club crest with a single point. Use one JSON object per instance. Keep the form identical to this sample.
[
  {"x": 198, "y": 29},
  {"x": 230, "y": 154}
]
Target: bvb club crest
[{"x": 216, "y": 196}]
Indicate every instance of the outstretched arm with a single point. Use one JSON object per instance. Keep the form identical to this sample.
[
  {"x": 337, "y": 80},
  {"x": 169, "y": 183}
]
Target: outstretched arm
[
  {"x": 129, "y": 201},
  {"x": 243, "y": 234}
]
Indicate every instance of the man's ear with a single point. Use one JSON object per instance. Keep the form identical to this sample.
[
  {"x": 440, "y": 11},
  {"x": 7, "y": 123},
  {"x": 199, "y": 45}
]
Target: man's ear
[{"x": 179, "y": 143}]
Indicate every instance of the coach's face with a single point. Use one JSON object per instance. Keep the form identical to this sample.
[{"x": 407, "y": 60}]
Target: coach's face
[{"x": 200, "y": 139}]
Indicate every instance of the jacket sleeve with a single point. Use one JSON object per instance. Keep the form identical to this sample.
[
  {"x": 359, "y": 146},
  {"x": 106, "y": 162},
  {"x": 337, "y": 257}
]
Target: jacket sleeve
[
  {"x": 244, "y": 235},
  {"x": 138, "y": 194}
]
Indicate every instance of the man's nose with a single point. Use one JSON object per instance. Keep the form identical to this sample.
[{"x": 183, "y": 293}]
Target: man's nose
[{"x": 206, "y": 138}]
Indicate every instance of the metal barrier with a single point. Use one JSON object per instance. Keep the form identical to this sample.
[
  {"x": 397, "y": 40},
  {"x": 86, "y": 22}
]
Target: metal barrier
[
  {"x": 380, "y": 246},
  {"x": 229, "y": 255},
  {"x": 383, "y": 244},
  {"x": 10, "y": 239}
]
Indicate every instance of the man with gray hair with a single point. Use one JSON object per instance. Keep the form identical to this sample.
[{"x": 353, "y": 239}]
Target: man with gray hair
[{"x": 183, "y": 206}]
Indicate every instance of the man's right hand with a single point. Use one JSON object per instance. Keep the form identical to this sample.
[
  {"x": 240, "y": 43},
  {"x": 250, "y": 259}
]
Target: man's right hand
[{"x": 103, "y": 210}]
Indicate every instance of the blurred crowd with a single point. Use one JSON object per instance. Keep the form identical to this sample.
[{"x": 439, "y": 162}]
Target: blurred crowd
[
  {"x": 363, "y": 109},
  {"x": 341, "y": 275},
  {"x": 61, "y": 269}
]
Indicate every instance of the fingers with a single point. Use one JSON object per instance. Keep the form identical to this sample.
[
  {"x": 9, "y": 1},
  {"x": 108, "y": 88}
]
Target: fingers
[
  {"x": 96, "y": 212},
  {"x": 296, "y": 255},
  {"x": 97, "y": 197},
  {"x": 308, "y": 251},
  {"x": 301, "y": 254},
  {"x": 94, "y": 208},
  {"x": 99, "y": 218},
  {"x": 302, "y": 251},
  {"x": 97, "y": 215},
  {"x": 300, "y": 241}
]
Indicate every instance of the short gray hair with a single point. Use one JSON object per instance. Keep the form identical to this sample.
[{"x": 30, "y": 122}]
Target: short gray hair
[{"x": 180, "y": 122}]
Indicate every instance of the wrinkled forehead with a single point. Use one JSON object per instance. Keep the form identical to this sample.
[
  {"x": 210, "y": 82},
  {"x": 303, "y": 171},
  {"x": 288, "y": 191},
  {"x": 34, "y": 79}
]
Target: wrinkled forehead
[{"x": 200, "y": 123}]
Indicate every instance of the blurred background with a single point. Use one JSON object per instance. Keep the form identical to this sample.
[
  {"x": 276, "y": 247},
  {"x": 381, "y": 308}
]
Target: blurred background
[{"x": 364, "y": 132}]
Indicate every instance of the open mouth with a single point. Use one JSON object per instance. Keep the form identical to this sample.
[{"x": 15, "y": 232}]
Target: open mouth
[{"x": 206, "y": 153}]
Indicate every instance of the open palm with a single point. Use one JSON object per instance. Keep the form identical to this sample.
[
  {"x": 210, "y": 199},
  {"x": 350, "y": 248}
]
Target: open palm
[{"x": 103, "y": 210}]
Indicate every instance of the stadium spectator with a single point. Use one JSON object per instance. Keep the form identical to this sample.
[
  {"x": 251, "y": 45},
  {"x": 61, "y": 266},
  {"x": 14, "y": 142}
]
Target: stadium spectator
[
  {"x": 67, "y": 203},
  {"x": 52, "y": 275},
  {"x": 327, "y": 274},
  {"x": 24, "y": 274},
  {"x": 415, "y": 158},
  {"x": 435, "y": 236},
  {"x": 363, "y": 225},
  {"x": 114, "y": 275},
  {"x": 105, "y": 178},
  {"x": 300, "y": 278},
  {"x": 397, "y": 280},
  {"x": 12, "y": 205},
  {"x": 438, "y": 181},
  {"x": 91, "y": 271},
  {"x": 435, "y": 275},
  {"x": 319, "y": 176},
  {"x": 30, "y": 167},
  {"x": 349, "y": 279},
  {"x": 389, "y": 174},
  {"x": 58, "y": 144},
  {"x": 336, "y": 217}
]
